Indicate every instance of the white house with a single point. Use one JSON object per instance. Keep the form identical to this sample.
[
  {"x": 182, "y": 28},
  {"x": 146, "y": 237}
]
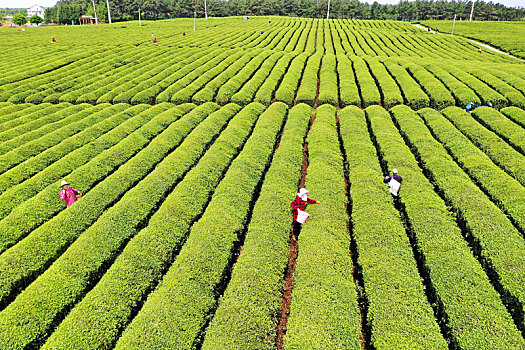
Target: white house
[{"x": 35, "y": 10}]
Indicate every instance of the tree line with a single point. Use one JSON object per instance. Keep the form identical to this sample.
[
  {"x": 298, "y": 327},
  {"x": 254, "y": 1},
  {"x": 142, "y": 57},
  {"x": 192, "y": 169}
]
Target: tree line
[{"x": 69, "y": 11}]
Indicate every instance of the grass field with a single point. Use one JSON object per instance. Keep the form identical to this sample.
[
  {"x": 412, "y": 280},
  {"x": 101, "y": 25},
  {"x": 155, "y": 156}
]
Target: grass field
[
  {"x": 507, "y": 36},
  {"x": 188, "y": 152}
]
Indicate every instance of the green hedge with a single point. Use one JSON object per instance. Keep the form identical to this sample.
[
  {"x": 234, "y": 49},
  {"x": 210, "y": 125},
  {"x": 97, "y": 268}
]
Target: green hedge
[
  {"x": 390, "y": 93},
  {"x": 514, "y": 96},
  {"x": 324, "y": 313},
  {"x": 207, "y": 73},
  {"x": 266, "y": 92},
  {"x": 121, "y": 71},
  {"x": 148, "y": 88},
  {"x": 247, "y": 92},
  {"x": 33, "y": 144},
  {"x": 348, "y": 89},
  {"x": 248, "y": 312},
  {"x": 31, "y": 120},
  {"x": 191, "y": 72},
  {"x": 469, "y": 306},
  {"x": 328, "y": 87},
  {"x": 515, "y": 114},
  {"x": 505, "y": 191},
  {"x": 440, "y": 96},
  {"x": 176, "y": 312},
  {"x": 498, "y": 150},
  {"x": 509, "y": 77},
  {"x": 98, "y": 200},
  {"x": 310, "y": 40},
  {"x": 288, "y": 87},
  {"x": 368, "y": 89},
  {"x": 233, "y": 85},
  {"x": 96, "y": 321},
  {"x": 61, "y": 285},
  {"x": 11, "y": 111},
  {"x": 306, "y": 93},
  {"x": 371, "y": 200},
  {"x": 414, "y": 96},
  {"x": 224, "y": 79},
  {"x": 461, "y": 92},
  {"x": 103, "y": 138},
  {"x": 106, "y": 89},
  {"x": 488, "y": 231},
  {"x": 496, "y": 122},
  {"x": 485, "y": 92}
]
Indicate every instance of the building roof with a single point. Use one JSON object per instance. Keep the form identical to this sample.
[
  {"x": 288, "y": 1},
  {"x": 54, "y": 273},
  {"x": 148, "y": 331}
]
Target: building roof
[{"x": 36, "y": 8}]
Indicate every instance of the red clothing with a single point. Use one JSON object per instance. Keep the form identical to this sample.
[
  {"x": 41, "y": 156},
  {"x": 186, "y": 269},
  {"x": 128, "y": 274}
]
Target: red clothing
[
  {"x": 69, "y": 195},
  {"x": 299, "y": 204}
]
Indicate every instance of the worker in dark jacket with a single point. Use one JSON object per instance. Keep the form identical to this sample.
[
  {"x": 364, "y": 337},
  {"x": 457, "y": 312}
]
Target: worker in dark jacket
[{"x": 394, "y": 182}]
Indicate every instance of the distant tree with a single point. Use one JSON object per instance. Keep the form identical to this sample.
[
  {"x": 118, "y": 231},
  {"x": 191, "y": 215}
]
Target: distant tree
[
  {"x": 407, "y": 10},
  {"x": 19, "y": 19},
  {"x": 36, "y": 19}
]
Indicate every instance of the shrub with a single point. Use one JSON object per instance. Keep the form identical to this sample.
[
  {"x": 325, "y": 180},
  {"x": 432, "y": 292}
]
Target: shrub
[
  {"x": 370, "y": 200},
  {"x": 324, "y": 297},
  {"x": 202, "y": 270},
  {"x": 462, "y": 289},
  {"x": 498, "y": 150},
  {"x": 254, "y": 294}
]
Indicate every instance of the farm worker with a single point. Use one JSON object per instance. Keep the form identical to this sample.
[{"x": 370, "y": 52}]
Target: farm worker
[
  {"x": 469, "y": 107},
  {"x": 152, "y": 35},
  {"x": 68, "y": 193},
  {"x": 479, "y": 50},
  {"x": 394, "y": 182},
  {"x": 155, "y": 40},
  {"x": 299, "y": 203},
  {"x": 184, "y": 34},
  {"x": 53, "y": 40},
  {"x": 262, "y": 32}
]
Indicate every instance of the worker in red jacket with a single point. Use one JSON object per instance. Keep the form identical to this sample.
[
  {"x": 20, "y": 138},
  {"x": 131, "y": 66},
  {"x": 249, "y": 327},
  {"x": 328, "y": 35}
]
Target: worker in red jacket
[{"x": 299, "y": 203}]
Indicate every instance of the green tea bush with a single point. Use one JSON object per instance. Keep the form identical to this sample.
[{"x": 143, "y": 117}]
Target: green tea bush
[
  {"x": 204, "y": 259},
  {"x": 464, "y": 291},
  {"x": 324, "y": 297},
  {"x": 254, "y": 292}
]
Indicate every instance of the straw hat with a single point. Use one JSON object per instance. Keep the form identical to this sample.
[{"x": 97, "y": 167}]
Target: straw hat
[
  {"x": 394, "y": 171},
  {"x": 63, "y": 183}
]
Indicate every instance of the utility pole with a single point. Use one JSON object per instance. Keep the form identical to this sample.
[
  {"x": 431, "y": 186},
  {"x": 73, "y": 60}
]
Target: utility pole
[
  {"x": 139, "y": 18},
  {"x": 328, "y": 12},
  {"x": 95, "y": 10},
  {"x": 453, "y": 24},
  {"x": 109, "y": 13},
  {"x": 205, "y": 10},
  {"x": 471, "y": 11}
]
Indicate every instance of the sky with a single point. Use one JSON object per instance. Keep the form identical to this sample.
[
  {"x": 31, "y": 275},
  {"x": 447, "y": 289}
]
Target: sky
[{"x": 49, "y": 3}]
